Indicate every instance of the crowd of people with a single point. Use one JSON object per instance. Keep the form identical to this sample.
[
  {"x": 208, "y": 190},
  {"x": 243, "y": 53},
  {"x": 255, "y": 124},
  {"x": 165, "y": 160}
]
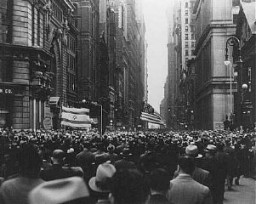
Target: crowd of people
[{"x": 75, "y": 166}]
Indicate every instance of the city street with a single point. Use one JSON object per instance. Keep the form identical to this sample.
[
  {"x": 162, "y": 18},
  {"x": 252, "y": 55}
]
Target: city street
[{"x": 242, "y": 194}]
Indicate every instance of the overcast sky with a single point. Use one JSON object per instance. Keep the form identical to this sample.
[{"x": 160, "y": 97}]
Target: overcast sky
[{"x": 156, "y": 36}]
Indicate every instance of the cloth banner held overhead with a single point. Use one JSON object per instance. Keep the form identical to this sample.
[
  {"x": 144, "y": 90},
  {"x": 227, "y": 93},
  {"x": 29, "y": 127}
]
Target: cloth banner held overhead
[
  {"x": 76, "y": 118},
  {"x": 152, "y": 118}
]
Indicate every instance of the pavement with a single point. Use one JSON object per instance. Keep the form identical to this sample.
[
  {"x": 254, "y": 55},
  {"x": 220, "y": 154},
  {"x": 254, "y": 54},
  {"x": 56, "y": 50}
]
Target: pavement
[{"x": 242, "y": 194}]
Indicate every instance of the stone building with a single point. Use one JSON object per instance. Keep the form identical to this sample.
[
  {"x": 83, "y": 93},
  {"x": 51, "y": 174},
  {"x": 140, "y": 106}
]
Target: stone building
[
  {"x": 87, "y": 48},
  {"x": 246, "y": 32},
  {"x": 37, "y": 61},
  {"x": 213, "y": 25}
]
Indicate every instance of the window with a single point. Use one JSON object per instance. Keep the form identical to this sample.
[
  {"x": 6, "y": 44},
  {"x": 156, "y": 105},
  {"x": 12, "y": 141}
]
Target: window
[
  {"x": 57, "y": 12},
  {"x": 186, "y": 44},
  {"x": 71, "y": 43},
  {"x": 186, "y": 28},
  {"x": 5, "y": 70},
  {"x": 192, "y": 52},
  {"x": 5, "y": 21},
  {"x": 186, "y": 5},
  {"x": 38, "y": 29},
  {"x": 186, "y": 36},
  {"x": 186, "y": 21},
  {"x": 192, "y": 28},
  {"x": 192, "y": 36},
  {"x": 192, "y": 44},
  {"x": 186, "y": 52},
  {"x": 70, "y": 62},
  {"x": 186, "y": 12},
  {"x": 71, "y": 82}
]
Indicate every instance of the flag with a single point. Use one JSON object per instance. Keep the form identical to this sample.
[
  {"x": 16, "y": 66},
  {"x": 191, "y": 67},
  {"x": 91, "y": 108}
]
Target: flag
[
  {"x": 76, "y": 117},
  {"x": 152, "y": 118}
]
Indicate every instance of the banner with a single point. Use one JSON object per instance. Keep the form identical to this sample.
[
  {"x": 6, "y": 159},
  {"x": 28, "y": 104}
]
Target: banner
[
  {"x": 152, "y": 118},
  {"x": 76, "y": 117}
]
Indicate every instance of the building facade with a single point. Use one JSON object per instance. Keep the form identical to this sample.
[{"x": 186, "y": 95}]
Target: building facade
[
  {"x": 35, "y": 42},
  {"x": 213, "y": 25}
]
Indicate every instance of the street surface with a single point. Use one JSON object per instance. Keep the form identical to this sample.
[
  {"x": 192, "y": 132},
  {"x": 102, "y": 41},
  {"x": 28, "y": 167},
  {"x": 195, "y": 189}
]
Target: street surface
[{"x": 242, "y": 194}]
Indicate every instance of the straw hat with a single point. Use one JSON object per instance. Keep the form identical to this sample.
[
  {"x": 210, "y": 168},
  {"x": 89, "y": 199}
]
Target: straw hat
[
  {"x": 59, "y": 191},
  {"x": 100, "y": 183}
]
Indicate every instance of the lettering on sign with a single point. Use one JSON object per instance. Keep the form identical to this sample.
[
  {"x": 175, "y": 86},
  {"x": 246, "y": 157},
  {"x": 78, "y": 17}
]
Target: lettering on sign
[{"x": 6, "y": 91}]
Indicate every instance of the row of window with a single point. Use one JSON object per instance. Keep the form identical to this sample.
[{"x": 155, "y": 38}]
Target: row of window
[
  {"x": 57, "y": 12},
  {"x": 192, "y": 36},
  {"x": 187, "y": 44},
  {"x": 192, "y": 28},
  {"x": 187, "y": 52}
]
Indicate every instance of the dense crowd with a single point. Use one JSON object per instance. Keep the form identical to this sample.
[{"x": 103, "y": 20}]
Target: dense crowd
[{"x": 66, "y": 166}]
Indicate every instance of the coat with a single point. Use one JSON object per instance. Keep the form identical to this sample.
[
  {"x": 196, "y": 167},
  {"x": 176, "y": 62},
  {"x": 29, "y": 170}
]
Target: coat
[{"x": 185, "y": 190}]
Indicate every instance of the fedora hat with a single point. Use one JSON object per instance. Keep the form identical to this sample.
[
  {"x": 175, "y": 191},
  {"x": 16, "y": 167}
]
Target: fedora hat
[
  {"x": 100, "y": 183},
  {"x": 210, "y": 148},
  {"x": 192, "y": 151},
  {"x": 59, "y": 191}
]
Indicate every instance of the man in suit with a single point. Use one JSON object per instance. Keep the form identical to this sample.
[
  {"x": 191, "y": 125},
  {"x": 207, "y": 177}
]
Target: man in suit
[
  {"x": 57, "y": 170},
  {"x": 159, "y": 186},
  {"x": 184, "y": 189},
  {"x": 200, "y": 175}
]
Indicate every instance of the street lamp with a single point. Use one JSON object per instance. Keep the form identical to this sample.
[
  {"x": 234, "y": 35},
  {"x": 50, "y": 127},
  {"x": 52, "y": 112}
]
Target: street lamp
[{"x": 242, "y": 78}]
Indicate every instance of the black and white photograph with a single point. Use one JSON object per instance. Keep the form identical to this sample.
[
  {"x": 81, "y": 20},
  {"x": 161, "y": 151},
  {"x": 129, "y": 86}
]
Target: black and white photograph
[{"x": 127, "y": 101}]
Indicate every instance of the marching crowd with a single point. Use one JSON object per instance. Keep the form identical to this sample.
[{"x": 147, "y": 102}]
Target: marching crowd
[{"x": 64, "y": 166}]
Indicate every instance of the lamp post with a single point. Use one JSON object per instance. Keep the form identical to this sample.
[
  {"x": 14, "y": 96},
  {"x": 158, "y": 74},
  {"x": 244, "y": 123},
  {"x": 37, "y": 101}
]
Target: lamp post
[{"x": 242, "y": 87}]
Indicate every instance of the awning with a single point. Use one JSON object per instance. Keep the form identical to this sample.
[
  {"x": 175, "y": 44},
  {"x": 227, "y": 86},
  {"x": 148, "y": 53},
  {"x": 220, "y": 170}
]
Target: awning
[{"x": 54, "y": 101}]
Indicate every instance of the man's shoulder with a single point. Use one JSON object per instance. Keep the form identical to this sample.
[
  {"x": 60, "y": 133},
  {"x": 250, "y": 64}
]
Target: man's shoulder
[
  {"x": 202, "y": 171},
  {"x": 189, "y": 183}
]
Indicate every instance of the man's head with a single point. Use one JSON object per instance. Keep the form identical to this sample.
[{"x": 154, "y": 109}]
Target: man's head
[
  {"x": 58, "y": 156},
  {"x": 129, "y": 187},
  {"x": 29, "y": 161},
  {"x": 186, "y": 164},
  {"x": 192, "y": 151},
  {"x": 159, "y": 180}
]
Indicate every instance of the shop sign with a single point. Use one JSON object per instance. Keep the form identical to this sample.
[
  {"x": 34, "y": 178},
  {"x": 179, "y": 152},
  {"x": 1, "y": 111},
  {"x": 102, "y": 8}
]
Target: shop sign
[{"x": 6, "y": 91}]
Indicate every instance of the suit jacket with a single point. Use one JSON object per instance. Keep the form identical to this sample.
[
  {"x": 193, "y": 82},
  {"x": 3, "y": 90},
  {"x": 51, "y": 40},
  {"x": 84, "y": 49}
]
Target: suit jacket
[
  {"x": 202, "y": 176},
  {"x": 185, "y": 190},
  {"x": 57, "y": 171},
  {"x": 158, "y": 199}
]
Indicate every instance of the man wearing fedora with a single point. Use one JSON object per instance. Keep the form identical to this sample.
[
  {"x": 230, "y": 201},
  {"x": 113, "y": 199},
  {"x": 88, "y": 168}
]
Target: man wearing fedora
[
  {"x": 184, "y": 189},
  {"x": 100, "y": 184},
  {"x": 200, "y": 175},
  {"x": 212, "y": 164}
]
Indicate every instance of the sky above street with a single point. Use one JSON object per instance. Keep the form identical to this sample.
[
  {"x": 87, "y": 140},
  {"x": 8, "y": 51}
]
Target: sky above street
[{"x": 156, "y": 37}]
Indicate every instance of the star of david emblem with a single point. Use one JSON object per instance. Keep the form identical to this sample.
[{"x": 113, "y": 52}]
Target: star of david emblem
[{"x": 74, "y": 117}]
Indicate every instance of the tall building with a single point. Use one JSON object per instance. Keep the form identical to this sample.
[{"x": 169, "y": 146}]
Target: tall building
[
  {"x": 213, "y": 25},
  {"x": 187, "y": 31},
  {"x": 37, "y": 59},
  {"x": 87, "y": 48}
]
